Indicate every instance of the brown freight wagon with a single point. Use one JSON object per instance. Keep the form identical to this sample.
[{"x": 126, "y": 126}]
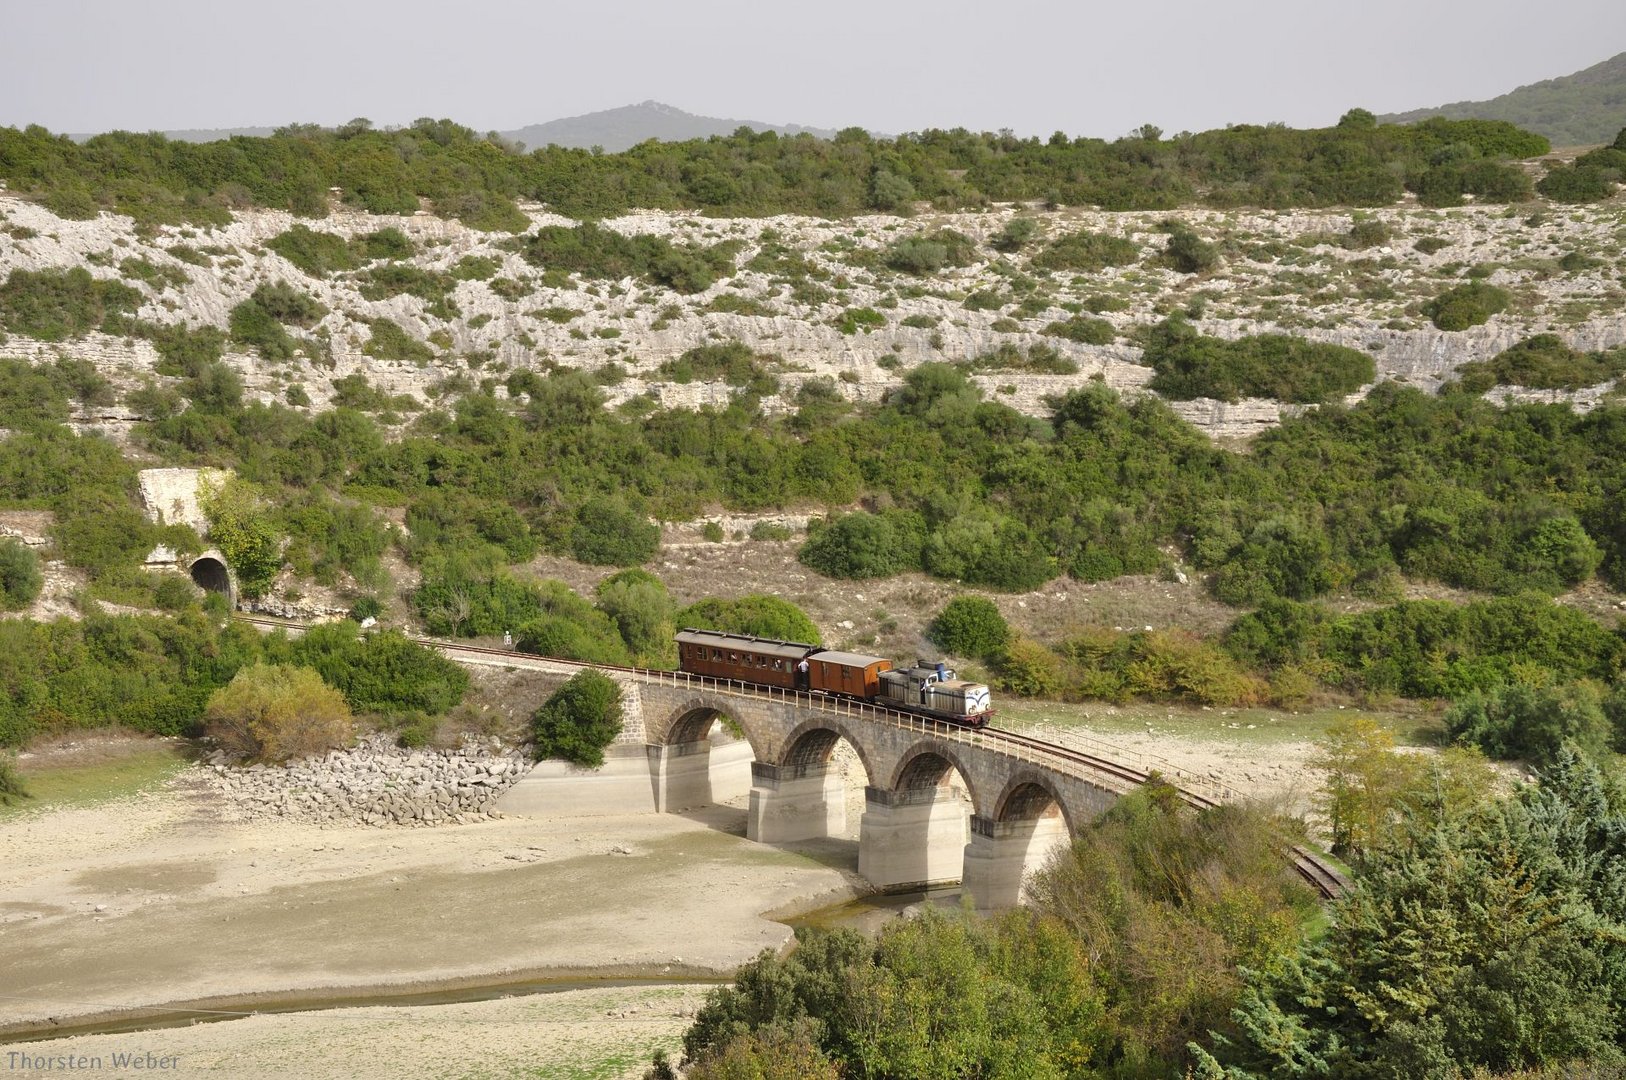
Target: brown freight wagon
[
  {"x": 739, "y": 656},
  {"x": 846, "y": 673}
]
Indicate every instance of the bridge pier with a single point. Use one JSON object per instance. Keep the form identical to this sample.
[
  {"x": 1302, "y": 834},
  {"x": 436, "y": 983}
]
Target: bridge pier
[
  {"x": 681, "y": 775},
  {"x": 795, "y": 802},
  {"x": 913, "y": 837},
  {"x": 996, "y": 859}
]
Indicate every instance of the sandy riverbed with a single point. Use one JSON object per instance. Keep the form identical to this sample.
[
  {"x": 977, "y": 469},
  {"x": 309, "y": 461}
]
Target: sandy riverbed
[{"x": 159, "y": 900}]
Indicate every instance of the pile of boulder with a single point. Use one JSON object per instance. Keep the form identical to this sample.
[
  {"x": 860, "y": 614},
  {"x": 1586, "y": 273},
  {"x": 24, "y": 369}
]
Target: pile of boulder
[{"x": 374, "y": 783}]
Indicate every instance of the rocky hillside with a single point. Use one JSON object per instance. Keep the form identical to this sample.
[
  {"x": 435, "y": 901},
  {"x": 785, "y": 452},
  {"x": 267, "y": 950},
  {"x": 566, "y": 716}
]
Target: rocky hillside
[{"x": 1014, "y": 292}]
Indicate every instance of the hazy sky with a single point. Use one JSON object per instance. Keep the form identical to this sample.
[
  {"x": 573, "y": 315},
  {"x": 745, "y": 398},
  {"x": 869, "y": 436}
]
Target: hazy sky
[{"x": 1083, "y": 67}]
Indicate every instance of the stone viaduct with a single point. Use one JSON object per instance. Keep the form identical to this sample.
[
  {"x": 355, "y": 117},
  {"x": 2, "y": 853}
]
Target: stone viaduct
[{"x": 1024, "y": 797}]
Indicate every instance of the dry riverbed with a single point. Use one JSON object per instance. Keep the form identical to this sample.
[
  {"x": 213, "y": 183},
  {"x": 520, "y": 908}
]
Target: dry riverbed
[{"x": 157, "y": 900}]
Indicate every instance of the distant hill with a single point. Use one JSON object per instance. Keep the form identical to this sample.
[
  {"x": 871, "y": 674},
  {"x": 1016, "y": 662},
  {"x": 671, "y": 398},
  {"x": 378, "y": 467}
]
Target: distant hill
[
  {"x": 1587, "y": 107},
  {"x": 618, "y": 129}
]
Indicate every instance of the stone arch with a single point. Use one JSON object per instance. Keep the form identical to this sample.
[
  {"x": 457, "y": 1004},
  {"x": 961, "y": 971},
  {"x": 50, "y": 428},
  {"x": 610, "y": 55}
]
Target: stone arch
[
  {"x": 812, "y": 741},
  {"x": 210, "y": 573},
  {"x": 1027, "y": 796},
  {"x": 926, "y": 765},
  {"x": 691, "y": 721}
]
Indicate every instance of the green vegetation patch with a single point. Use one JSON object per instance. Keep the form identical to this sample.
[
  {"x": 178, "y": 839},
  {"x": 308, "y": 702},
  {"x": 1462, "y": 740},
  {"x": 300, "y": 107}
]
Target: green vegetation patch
[
  {"x": 1291, "y": 369},
  {"x": 604, "y": 254},
  {"x": 1543, "y": 362},
  {"x": 1086, "y": 252},
  {"x": 1466, "y": 306},
  {"x": 54, "y": 305}
]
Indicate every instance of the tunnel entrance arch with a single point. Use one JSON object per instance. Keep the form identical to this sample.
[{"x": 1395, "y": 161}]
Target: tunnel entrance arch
[{"x": 209, "y": 573}]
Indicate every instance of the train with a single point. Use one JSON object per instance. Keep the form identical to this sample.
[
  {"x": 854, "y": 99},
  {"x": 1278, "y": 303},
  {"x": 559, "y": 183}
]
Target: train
[{"x": 929, "y": 688}]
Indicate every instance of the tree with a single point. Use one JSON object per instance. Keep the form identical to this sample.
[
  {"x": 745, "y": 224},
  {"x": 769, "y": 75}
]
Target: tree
[
  {"x": 1363, "y": 796},
  {"x": 275, "y": 712},
  {"x": 755, "y": 614},
  {"x": 865, "y": 545},
  {"x": 610, "y": 533},
  {"x": 639, "y": 605},
  {"x": 241, "y": 528},
  {"x": 578, "y": 720},
  {"x": 20, "y": 577},
  {"x": 1530, "y": 722},
  {"x": 970, "y": 626}
]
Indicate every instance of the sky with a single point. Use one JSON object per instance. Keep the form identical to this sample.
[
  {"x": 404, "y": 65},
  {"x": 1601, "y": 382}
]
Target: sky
[{"x": 1084, "y": 67}]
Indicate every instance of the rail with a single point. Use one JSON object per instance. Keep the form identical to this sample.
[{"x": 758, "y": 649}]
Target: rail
[{"x": 1123, "y": 771}]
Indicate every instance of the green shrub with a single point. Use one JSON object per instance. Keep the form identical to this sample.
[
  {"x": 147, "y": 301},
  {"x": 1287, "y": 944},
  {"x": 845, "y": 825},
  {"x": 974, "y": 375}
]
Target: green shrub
[
  {"x": 595, "y": 252},
  {"x": 986, "y": 548},
  {"x": 1082, "y": 329},
  {"x": 642, "y": 610},
  {"x": 383, "y": 671},
  {"x": 254, "y": 326},
  {"x": 1543, "y": 362},
  {"x": 1028, "y": 669},
  {"x": 1576, "y": 183},
  {"x": 865, "y": 545},
  {"x": 754, "y": 614},
  {"x": 289, "y": 304},
  {"x": 318, "y": 254},
  {"x": 390, "y": 341},
  {"x": 1428, "y": 245},
  {"x": 610, "y": 533},
  {"x": 1015, "y": 235},
  {"x": 1190, "y": 365},
  {"x": 769, "y": 531},
  {"x": 276, "y": 712},
  {"x": 1189, "y": 253},
  {"x": 729, "y": 362},
  {"x": 930, "y": 252},
  {"x": 476, "y": 268},
  {"x": 1368, "y": 233},
  {"x": 12, "y": 788},
  {"x": 1466, "y": 305},
  {"x": 1531, "y": 723},
  {"x": 970, "y": 626},
  {"x": 241, "y": 527},
  {"x": 579, "y": 720},
  {"x": 175, "y": 593},
  {"x": 852, "y": 320},
  {"x": 54, "y": 305},
  {"x": 1086, "y": 252}
]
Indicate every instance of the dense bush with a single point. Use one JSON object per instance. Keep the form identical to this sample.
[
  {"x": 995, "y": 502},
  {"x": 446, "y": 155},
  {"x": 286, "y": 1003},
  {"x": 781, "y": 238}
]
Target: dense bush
[
  {"x": 381, "y": 672},
  {"x": 642, "y": 610},
  {"x": 1531, "y": 722},
  {"x": 1466, "y": 305},
  {"x": 1189, "y": 253},
  {"x": 1082, "y": 329},
  {"x": 930, "y": 252},
  {"x": 20, "y": 577},
  {"x": 277, "y": 712},
  {"x": 1480, "y": 942},
  {"x": 477, "y": 179},
  {"x": 54, "y": 305},
  {"x": 610, "y": 533},
  {"x": 1191, "y": 365},
  {"x": 12, "y": 788},
  {"x": 1086, "y": 251},
  {"x": 595, "y": 252},
  {"x": 578, "y": 720},
  {"x": 755, "y": 614},
  {"x": 1543, "y": 362},
  {"x": 1429, "y": 648},
  {"x": 240, "y": 525},
  {"x": 970, "y": 626},
  {"x": 865, "y": 545}
]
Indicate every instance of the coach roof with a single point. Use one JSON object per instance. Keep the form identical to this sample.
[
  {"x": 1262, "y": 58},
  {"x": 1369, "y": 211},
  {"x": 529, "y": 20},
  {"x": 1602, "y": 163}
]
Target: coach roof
[{"x": 713, "y": 639}]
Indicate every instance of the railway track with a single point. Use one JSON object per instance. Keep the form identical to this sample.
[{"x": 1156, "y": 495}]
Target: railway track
[{"x": 1326, "y": 879}]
